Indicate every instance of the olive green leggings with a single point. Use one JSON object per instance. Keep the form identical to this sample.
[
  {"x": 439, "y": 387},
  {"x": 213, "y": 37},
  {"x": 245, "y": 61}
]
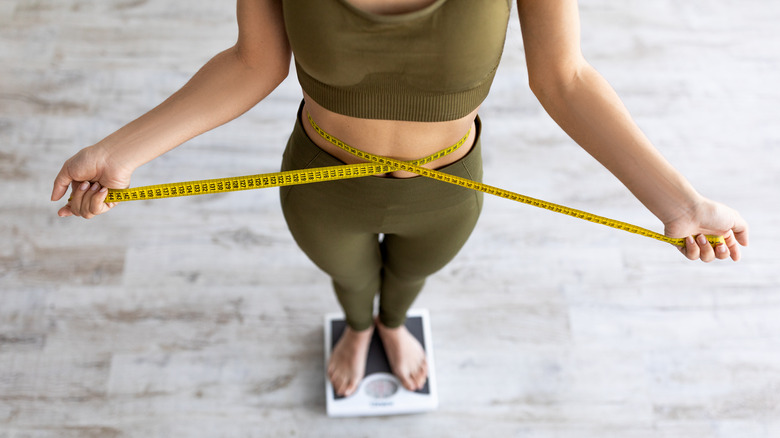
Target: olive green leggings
[{"x": 378, "y": 235}]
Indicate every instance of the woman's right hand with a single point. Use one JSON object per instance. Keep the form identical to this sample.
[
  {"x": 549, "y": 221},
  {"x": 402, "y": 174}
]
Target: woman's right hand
[{"x": 91, "y": 173}]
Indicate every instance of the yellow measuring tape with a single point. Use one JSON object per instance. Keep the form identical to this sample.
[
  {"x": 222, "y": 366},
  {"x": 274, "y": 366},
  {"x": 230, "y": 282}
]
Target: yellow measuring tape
[{"x": 375, "y": 165}]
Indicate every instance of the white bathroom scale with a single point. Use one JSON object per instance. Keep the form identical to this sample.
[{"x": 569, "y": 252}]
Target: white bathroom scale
[{"x": 380, "y": 392}]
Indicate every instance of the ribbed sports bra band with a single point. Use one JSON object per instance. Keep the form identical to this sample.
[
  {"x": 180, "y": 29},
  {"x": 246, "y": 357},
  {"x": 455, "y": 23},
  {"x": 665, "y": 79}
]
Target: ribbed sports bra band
[
  {"x": 431, "y": 65},
  {"x": 387, "y": 99}
]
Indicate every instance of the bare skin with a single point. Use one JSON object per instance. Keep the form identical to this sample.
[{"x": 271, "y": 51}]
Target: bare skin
[
  {"x": 405, "y": 354},
  {"x": 347, "y": 365},
  {"x": 571, "y": 91},
  {"x": 401, "y": 140}
]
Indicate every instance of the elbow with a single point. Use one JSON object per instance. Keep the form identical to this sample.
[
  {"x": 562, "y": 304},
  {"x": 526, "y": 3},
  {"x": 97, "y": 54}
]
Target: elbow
[
  {"x": 280, "y": 68},
  {"x": 279, "y": 72},
  {"x": 272, "y": 66},
  {"x": 555, "y": 82}
]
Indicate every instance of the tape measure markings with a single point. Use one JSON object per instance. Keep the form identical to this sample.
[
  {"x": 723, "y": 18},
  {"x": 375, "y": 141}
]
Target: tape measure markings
[
  {"x": 250, "y": 182},
  {"x": 376, "y": 165},
  {"x": 474, "y": 185},
  {"x": 266, "y": 180}
]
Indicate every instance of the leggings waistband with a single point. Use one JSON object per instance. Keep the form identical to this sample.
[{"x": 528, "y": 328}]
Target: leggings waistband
[{"x": 426, "y": 193}]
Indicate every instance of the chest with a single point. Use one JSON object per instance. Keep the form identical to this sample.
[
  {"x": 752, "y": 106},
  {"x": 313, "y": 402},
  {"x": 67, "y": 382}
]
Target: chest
[{"x": 342, "y": 42}]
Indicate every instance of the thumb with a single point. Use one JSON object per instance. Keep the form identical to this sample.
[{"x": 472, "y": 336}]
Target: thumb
[{"x": 61, "y": 184}]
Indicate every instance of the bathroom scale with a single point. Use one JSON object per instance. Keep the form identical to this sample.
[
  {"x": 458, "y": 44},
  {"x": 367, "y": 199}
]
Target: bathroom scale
[{"x": 380, "y": 392}]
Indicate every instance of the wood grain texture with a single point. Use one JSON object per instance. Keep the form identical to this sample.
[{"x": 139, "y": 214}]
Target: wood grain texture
[{"x": 199, "y": 317}]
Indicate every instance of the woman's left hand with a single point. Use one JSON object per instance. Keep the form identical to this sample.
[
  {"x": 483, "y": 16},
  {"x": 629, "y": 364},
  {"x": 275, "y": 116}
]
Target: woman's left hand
[{"x": 712, "y": 218}]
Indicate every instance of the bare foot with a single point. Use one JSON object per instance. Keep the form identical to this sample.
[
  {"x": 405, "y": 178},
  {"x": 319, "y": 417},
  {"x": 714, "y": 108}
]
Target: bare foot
[
  {"x": 347, "y": 365},
  {"x": 406, "y": 356}
]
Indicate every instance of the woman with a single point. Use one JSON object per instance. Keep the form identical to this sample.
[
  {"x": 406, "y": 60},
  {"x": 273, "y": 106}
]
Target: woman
[{"x": 404, "y": 79}]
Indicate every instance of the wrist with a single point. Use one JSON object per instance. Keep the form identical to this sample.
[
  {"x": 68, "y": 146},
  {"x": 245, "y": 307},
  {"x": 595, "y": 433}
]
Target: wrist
[
  {"x": 666, "y": 193},
  {"x": 683, "y": 212},
  {"x": 114, "y": 155}
]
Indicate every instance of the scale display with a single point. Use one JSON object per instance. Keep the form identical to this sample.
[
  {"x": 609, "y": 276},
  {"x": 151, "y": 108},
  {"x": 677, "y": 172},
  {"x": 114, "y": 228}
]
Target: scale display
[{"x": 380, "y": 392}]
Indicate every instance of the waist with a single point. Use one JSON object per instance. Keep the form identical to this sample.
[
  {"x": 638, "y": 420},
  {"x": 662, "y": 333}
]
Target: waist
[{"x": 401, "y": 140}]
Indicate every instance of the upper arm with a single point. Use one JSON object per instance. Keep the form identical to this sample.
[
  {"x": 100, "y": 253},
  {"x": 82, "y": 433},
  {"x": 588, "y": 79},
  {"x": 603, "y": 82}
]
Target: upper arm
[
  {"x": 551, "y": 37},
  {"x": 262, "y": 39}
]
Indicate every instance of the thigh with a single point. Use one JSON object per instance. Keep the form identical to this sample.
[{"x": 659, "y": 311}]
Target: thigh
[
  {"x": 329, "y": 235},
  {"x": 323, "y": 217},
  {"x": 426, "y": 236},
  {"x": 427, "y": 242}
]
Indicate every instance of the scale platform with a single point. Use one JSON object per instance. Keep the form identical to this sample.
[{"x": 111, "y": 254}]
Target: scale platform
[{"x": 380, "y": 392}]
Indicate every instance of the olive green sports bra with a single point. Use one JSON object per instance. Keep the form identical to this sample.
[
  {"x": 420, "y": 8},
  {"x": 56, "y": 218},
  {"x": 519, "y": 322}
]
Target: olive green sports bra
[{"x": 434, "y": 64}]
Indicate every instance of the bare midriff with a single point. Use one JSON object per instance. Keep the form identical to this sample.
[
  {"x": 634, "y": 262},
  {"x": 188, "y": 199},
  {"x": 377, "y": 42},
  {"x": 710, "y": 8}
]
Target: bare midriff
[{"x": 401, "y": 140}]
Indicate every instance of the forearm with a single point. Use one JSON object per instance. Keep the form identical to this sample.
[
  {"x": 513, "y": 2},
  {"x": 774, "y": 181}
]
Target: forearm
[
  {"x": 591, "y": 113},
  {"x": 220, "y": 91}
]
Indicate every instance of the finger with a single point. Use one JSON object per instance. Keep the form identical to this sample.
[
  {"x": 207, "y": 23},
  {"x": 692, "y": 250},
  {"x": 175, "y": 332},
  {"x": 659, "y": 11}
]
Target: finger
[
  {"x": 90, "y": 208},
  {"x": 733, "y": 245},
  {"x": 707, "y": 252},
  {"x": 691, "y": 250},
  {"x": 97, "y": 204},
  {"x": 61, "y": 183},
  {"x": 65, "y": 211},
  {"x": 722, "y": 251},
  {"x": 77, "y": 195},
  {"x": 80, "y": 200},
  {"x": 86, "y": 202}
]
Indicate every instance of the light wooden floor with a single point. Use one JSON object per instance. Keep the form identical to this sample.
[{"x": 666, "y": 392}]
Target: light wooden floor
[{"x": 199, "y": 317}]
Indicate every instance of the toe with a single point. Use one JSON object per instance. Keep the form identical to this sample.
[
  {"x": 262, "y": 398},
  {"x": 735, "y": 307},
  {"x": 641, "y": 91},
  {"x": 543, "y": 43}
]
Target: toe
[
  {"x": 351, "y": 387},
  {"x": 408, "y": 382},
  {"x": 340, "y": 386},
  {"x": 422, "y": 375}
]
